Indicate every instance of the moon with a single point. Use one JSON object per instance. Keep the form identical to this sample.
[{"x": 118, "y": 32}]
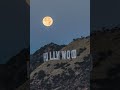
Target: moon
[{"x": 47, "y": 21}]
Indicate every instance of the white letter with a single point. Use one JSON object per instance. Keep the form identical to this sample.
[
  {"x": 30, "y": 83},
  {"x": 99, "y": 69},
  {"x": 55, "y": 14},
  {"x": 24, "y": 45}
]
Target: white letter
[
  {"x": 54, "y": 55},
  {"x": 58, "y": 55},
  {"x": 45, "y": 56},
  {"x": 73, "y": 54},
  {"x": 63, "y": 54},
  {"x": 51, "y": 56},
  {"x": 68, "y": 54}
]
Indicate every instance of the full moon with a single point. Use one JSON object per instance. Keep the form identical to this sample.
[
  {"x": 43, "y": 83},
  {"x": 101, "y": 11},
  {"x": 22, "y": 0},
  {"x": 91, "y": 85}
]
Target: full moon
[{"x": 47, "y": 21}]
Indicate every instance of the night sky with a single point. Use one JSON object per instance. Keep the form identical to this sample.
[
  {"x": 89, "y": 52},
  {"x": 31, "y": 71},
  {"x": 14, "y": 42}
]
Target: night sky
[
  {"x": 104, "y": 13},
  {"x": 71, "y": 20}
]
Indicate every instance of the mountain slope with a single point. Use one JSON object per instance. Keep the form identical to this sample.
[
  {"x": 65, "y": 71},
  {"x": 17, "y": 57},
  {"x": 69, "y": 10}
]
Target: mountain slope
[
  {"x": 14, "y": 72},
  {"x": 37, "y": 58},
  {"x": 65, "y": 74},
  {"x": 105, "y": 50}
]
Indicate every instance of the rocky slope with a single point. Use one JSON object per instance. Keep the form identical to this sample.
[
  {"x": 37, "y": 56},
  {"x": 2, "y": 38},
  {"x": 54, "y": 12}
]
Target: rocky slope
[
  {"x": 65, "y": 74},
  {"x": 105, "y": 50},
  {"x": 14, "y": 72},
  {"x": 37, "y": 58}
]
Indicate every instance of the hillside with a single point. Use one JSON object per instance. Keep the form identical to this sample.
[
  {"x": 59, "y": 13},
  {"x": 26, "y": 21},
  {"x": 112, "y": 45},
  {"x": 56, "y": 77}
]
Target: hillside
[
  {"x": 14, "y": 72},
  {"x": 105, "y": 51},
  {"x": 36, "y": 59},
  {"x": 103, "y": 48},
  {"x": 65, "y": 74}
]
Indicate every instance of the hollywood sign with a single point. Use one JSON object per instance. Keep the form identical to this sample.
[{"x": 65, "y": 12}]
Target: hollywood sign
[{"x": 59, "y": 55}]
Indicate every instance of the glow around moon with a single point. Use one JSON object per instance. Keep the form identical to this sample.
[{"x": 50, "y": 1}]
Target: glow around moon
[{"x": 47, "y": 21}]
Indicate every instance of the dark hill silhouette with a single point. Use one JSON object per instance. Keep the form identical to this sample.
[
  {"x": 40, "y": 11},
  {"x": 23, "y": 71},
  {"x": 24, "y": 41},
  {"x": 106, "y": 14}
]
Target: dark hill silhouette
[
  {"x": 14, "y": 72},
  {"x": 105, "y": 50}
]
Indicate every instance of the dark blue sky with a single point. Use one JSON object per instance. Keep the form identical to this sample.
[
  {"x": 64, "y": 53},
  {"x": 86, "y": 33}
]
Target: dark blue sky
[
  {"x": 104, "y": 13},
  {"x": 14, "y": 36},
  {"x": 71, "y": 20}
]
